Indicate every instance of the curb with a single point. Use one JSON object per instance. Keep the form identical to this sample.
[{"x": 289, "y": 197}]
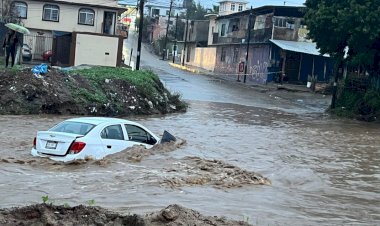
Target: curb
[
  {"x": 259, "y": 88},
  {"x": 186, "y": 68}
]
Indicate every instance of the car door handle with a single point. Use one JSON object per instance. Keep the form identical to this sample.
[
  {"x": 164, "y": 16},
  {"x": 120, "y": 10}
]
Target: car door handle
[{"x": 109, "y": 146}]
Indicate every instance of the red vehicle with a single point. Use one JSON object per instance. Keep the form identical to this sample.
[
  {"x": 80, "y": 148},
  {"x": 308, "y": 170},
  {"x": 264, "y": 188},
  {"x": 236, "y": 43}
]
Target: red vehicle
[{"x": 47, "y": 55}]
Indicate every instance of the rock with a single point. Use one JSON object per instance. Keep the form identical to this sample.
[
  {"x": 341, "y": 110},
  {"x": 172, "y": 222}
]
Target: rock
[{"x": 169, "y": 214}]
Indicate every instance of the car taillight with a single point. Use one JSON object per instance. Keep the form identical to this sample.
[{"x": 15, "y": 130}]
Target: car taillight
[
  {"x": 76, "y": 147},
  {"x": 34, "y": 142}
]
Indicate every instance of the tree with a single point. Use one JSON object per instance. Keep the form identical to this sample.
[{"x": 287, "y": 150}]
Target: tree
[
  {"x": 195, "y": 11},
  {"x": 8, "y": 12},
  {"x": 215, "y": 9},
  {"x": 180, "y": 30},
  {"x": 337, "y": 24},
  {"x": 346, "y": 25}
]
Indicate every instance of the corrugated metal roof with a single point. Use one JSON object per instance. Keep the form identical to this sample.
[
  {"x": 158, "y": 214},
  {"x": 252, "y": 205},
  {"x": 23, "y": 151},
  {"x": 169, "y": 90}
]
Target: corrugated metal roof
[{"x": 300, "y": 47}]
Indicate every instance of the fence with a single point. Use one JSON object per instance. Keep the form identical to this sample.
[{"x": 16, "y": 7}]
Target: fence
[{"x": 39, "y": 46}]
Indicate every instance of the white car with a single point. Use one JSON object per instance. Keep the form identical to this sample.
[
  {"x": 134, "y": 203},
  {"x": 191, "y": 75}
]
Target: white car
[{"x": 93, "y": 137}]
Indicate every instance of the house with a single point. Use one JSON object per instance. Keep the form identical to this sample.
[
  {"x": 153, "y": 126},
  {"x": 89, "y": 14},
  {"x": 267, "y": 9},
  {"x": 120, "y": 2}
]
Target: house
[
  {"x": 158, "y": 15},
  {"x": 54, "y": 24},
  {"x": 227, "y": 7},
  {"x": 196, "y": 52},
  {"x": 158, "y": 25},
  {"x": 278, "y": 45},
  {"x": 160, "y": 10}
]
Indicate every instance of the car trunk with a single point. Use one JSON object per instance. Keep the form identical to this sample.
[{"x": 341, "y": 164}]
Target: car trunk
[{"x": 54, "y": 143}]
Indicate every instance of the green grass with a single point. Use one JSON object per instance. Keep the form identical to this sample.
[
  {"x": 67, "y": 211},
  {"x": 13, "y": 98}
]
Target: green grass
[
  {"x": 146, "y": 81},
  {"x": 351, "y": 104},
  {"x": 97, "y": 97}
]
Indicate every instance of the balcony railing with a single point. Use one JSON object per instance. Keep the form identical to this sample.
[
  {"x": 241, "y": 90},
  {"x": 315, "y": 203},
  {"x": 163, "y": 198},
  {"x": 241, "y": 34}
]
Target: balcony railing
[{"x": 261, "y": 35}]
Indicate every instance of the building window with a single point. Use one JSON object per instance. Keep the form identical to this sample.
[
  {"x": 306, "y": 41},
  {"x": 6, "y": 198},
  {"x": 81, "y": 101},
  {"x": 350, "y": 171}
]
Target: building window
[
  {"x": 240, "y": 8},
  {"x": 167, "y": 12},
  {"x": 232, "y": 7},
  {"x": 155, "y": 12},
  {"x": 51, "y": 13},
  {"x": 236, "y": 55},
  {"x": 223, "y": 55},
  {"x": 223, "y": 30},
  {"x": 279, "y": 22},
  {"x": 86, "y": 17},
  {"x": 20, "y": 9}
]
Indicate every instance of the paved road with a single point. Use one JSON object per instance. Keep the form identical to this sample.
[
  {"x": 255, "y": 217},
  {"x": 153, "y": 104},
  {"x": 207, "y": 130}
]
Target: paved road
[{"x": 205, "y": 88}]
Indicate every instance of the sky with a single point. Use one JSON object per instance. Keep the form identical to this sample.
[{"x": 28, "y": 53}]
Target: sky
[
  {"x": 253, "y": 3},
  {"x": 257, "y": 3}
]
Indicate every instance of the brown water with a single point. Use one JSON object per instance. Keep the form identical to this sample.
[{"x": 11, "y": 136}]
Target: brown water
[{"x": 323, "y": 171}]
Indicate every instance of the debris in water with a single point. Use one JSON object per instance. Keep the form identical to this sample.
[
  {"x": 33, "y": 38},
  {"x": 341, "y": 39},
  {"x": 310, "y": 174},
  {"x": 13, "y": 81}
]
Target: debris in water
[{"x": 199, "y": 171}]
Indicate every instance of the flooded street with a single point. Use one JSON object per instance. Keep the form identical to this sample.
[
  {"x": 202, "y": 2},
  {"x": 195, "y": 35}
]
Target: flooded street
[{"x": 323, "y": 171}]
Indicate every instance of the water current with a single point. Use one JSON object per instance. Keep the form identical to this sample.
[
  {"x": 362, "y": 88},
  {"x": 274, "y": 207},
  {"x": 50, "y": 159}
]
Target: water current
[{"x": 323, "y": 171}]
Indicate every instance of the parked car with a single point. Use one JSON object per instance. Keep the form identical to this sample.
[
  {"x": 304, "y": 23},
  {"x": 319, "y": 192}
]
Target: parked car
[
  {"x": 26, "y": 52},
  {"x": 94, "y": 137},
  {"x": 47, "y": 55}
]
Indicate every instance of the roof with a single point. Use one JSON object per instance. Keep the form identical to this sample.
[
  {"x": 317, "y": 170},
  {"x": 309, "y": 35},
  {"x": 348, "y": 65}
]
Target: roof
[
  {"x": 150, "y": 5},
  {"x": 299, "y": 47},
  {"x": 288, "y": 11},
  {"x": 236, "y": 1},
  {"x": 99, "y": 120},
  {"x": 105, "y": 4}
]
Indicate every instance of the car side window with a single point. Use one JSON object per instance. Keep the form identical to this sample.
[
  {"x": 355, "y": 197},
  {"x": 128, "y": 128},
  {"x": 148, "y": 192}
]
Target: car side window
[
  {"x": 138, "y": 134},
  {"x": 114, "y": 132}
]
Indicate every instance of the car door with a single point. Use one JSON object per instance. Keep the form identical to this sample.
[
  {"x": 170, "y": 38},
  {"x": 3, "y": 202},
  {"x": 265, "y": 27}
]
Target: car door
[
  {"x": 139, "y": 136},
  {"x": 113, "y": 139}
]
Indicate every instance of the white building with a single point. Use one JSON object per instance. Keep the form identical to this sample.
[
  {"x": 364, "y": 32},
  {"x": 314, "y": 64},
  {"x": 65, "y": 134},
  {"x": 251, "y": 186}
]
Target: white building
[
  {"x": 49, "y": 19},
  {"x": 227, "y": 7},
  {"x": 160, "y": 10},
  {"x": 68, "y": 15}
]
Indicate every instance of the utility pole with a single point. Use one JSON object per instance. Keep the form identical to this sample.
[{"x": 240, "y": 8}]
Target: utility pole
[
  {"x": 167, "y": 30},
  {"x": 249, "y": 37},
  {"x": 184, "y": 46},
  {"x": 175, "y": 43},
  {"x": 141, "y": 11},
  {"x": 337, "y": 65}
]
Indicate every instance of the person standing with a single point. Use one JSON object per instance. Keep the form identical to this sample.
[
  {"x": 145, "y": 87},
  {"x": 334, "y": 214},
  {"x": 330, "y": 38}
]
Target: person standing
[{"x": 10, "y": 43}]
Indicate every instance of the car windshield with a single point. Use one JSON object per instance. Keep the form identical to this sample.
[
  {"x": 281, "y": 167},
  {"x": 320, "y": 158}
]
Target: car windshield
[{"x": 80, "y": 128}]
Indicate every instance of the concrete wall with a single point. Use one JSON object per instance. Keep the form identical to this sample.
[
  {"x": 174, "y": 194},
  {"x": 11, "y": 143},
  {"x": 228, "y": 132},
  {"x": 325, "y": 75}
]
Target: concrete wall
[
  {"x": 198, "y": 31},
  {"x": 257, "y": 65},
  {"x": 68, "y": 18},
  {"x": 212, "y": 28},
  {"x": 204, "y": 58},
  {"x": 96, "y": 50}
]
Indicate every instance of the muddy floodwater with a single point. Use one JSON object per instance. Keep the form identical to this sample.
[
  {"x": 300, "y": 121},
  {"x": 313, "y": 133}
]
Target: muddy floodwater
[
  {"x": 320, "y": 170},
  {"x": 269, "y": 158}
]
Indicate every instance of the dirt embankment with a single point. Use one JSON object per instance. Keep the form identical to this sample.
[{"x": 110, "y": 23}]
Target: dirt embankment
[
  {"x": 43, "y": 214},
  {"x": 73, "y": 93}
]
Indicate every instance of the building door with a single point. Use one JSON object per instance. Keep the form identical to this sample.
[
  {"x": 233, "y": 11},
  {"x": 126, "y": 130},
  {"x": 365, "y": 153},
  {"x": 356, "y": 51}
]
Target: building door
[
  {"x": 292, "y": 65},
  {"x": 109, "y": 23}
]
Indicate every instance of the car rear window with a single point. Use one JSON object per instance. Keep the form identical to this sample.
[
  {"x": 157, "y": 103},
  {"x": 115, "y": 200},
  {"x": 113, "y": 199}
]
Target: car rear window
[{"x": 80, "y": 128}]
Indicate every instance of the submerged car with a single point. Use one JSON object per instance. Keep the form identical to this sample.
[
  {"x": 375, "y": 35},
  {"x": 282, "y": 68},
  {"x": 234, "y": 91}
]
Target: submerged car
[{"x": 94, "y": 137}]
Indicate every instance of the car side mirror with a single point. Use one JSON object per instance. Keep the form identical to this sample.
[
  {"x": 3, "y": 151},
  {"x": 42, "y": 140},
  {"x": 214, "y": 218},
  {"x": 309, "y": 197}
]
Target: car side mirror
[{"x": 151, "y": 140}]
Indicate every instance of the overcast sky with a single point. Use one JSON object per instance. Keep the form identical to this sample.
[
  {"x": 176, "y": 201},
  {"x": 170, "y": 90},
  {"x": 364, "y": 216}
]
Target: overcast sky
[{"x": 257, "y": 3}]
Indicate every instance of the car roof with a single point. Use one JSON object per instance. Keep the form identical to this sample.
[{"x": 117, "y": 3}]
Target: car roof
[{"x": 100, "y": 120}]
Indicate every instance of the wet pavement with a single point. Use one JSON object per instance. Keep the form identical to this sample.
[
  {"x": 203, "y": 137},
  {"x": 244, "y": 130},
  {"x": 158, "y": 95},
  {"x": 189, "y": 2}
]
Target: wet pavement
[{"x": 323, "y": 171}]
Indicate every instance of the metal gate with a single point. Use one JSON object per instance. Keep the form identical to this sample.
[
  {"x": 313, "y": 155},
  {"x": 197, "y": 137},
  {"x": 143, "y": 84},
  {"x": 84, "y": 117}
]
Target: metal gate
[{"x": 39, "y": 45}]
